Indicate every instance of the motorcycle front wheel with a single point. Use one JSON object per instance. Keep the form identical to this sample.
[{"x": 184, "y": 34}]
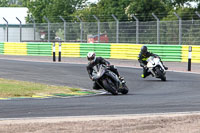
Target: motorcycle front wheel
[
  {"x": 110, "y": 86},
  {"x": 161, "y": 74},
  {"x": 125, "y": 89}
]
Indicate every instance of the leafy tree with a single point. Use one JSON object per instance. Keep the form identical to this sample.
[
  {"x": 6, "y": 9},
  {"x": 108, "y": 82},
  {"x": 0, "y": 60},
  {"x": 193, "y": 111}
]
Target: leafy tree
[
  {"x": 4, "y": 3},
  {"x": 184, "y": 13},
  {"x": 178, "y": 3},
  {"x": 104, "y": 10},
  {"x": 116, "y": 7},
  {"x": 10, "y": 3},
  {"x": 63, "y": 8},
  {"x": 52, "y": 9},
  {"x": 87, "y": 13},
  {"x": 144, "y": 9},
  {"x": 37, "y": 9}
]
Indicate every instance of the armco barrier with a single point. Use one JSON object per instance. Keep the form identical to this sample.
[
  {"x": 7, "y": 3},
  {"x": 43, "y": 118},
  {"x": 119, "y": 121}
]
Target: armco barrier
[
  {"x": 177, "y": 53},
  {"x": 99, "y": 48},
  {"x": 167, "y": 52},
  {"x": 11, "y": 48},
  {"x": 41, "y": 49},
  {"x": 125, "y": 51},
  {"x": 195, "y": 53},
  {"x": 1, "y": 48},
  {"x": 69, "y": 49}
]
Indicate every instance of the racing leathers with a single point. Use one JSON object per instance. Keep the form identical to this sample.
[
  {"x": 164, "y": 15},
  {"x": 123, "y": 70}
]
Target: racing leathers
[
  {"x": 142, "y": 58},
  {"x": 99, "y": 60}
]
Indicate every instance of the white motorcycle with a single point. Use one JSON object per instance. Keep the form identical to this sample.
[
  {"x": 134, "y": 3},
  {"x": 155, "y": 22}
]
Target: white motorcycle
[{"x": 156, "y": 68}]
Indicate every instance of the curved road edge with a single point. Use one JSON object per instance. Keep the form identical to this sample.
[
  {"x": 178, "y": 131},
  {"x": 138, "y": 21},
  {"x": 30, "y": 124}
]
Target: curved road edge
[
  {"x": 140, "y": 123},
  {"x": 173, "y": 66}
]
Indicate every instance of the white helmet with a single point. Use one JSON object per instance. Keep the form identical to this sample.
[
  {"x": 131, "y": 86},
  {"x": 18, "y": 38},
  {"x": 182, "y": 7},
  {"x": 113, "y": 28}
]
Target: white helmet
[{"x": 91, "y": 56}]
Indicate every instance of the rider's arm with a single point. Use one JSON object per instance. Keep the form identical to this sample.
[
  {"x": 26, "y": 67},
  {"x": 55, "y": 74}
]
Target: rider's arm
[
  {"x": 154, "y": 55},
  {"x": 140, "y": 60},
  {"x": 90, "y": 70},
  {"x": 103, "y": 61}
]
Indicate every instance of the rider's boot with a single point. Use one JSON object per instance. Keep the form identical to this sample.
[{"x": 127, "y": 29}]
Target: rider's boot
[
  {"x": 142, "y": 76},
  {"x": 122, "y": 79},
  {"x": 166, "y": 68},
  {"x": 96, "y": 86},
  {"x": 145, "y": 75}
]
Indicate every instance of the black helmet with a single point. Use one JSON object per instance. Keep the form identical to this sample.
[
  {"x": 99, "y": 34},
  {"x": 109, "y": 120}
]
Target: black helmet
[{"x": 144, "y": 49}]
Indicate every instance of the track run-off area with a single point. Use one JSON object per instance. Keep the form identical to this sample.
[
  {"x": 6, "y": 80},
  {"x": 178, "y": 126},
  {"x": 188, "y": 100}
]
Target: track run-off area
[{"x": 180, "y": 93}]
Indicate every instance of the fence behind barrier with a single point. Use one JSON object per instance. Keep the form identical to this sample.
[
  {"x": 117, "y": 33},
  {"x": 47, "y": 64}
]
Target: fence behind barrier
[{"x": 150, "y": 32}]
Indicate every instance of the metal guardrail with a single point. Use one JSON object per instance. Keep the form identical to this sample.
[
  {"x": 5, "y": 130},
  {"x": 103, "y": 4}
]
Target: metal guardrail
[
  {"x": 167, "y": 52},
  {"x": 195, "y": 58},
  {"x": 178, "y": 53}
]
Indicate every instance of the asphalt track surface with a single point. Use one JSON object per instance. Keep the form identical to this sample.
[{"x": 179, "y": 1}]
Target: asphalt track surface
[{"x": 180, "y": 93}]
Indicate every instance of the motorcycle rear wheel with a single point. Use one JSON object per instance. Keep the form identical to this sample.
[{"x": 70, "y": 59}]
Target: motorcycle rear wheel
[{"x": 110, "y": 86}]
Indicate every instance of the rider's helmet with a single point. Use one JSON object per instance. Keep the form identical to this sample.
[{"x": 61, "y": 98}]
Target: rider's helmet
[
  {"x": 91, "y": 56},
  {"x": 144, "y": 50}
]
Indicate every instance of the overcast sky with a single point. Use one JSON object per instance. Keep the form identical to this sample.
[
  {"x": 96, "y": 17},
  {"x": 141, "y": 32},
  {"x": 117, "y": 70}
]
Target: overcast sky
[{"x": 94, "y": 1}]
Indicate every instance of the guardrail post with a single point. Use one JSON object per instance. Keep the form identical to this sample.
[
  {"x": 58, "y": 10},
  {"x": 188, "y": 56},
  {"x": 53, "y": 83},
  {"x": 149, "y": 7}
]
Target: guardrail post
[
  {"x": 117, "y": 28},
  {"x": 54, "y": 51},
  {"x": 64, "y": 27},
  {"x": 189, "y": 58},
  {"x": 6, "y": 27},
  {"x": 158, "y": 28},
  {"x": 20, "y": 28},
  {"x": 137, "y": 28},
  {"x": 81, "y": 22},
  {"x": 59, "y": 57},
  {"x": 48, "y": 27},
  {"x": 34, "y": 27},
  {"x": 98, "y": 21},
  {"x": 180, "y": 28}
]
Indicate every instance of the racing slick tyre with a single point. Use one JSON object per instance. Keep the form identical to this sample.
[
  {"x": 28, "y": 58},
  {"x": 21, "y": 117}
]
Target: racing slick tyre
[
  {"x": 110, "y": 86},
  {"x": 161, "y": 75},
  {"x": 125, "y": 89}
]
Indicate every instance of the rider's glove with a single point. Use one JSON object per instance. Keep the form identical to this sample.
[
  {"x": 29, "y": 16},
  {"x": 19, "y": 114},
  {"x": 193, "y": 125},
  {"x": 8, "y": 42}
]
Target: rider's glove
[
  {"x": 145, "y": 66},
  {"x": 157, "y": 56},
  {"x": 142, "y": 65},
  {"x": 93, "y": 78},
  {"x": 108, "y": 65}
]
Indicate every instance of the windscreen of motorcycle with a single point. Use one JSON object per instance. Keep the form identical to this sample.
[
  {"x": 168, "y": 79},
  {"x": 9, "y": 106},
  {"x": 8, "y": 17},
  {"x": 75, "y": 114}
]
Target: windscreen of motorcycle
[{"x": 152, "y": 62}]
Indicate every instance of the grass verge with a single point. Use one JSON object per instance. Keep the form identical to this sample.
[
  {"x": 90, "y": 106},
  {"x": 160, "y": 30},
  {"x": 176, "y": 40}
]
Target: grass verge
[{"x": 15, "y": 88}]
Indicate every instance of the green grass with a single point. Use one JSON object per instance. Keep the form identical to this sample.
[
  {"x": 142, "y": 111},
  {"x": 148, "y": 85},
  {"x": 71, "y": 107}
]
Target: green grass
[{"x": 14, "y": 88}]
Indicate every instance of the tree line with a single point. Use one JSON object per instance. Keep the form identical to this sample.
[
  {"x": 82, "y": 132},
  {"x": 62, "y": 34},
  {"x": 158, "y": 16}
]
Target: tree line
[{"x": 103, "y": 9}]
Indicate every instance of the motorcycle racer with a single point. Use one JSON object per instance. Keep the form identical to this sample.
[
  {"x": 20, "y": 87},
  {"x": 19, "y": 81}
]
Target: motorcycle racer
[
  {"x": 142, "y": 58},
  {"x": 93, "y": 61}
]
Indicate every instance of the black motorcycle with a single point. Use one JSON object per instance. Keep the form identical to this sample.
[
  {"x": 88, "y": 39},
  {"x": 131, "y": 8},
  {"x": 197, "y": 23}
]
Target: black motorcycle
[{"x": 108, "y": 80}]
